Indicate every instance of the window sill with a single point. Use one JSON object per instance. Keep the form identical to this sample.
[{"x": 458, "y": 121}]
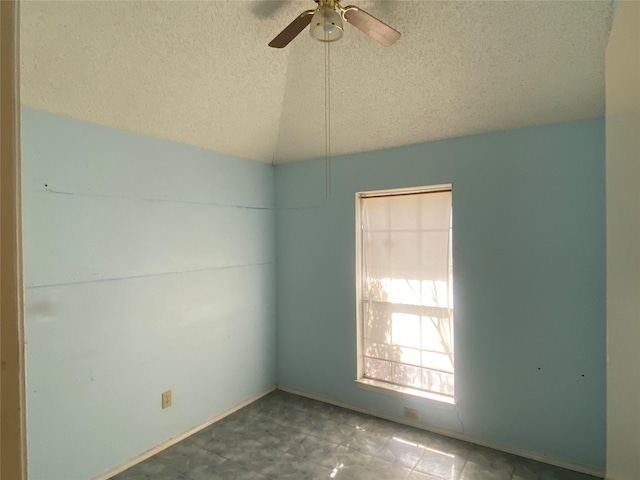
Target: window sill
[{"x": 399, "y": 391}]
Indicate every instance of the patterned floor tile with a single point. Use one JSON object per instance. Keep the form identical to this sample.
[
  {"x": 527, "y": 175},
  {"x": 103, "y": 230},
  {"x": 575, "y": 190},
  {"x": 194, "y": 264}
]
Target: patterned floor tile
[
  {"x": 415, "y": 475},
  {"x": 313, "y": 449},
  {"x": 288, "y": 437},
  {"x": 379, "y": 469},
  {"x": 228, "y": 470},
  {"x": 401, "y": 452},
  {"x": 318, "y": 472},
  {"x": 347, "y": 460},
  {"x": 367, "y": 441},
  {"x": 474, "y": 471},
  {"x": 185, "y": 456},
  {"x": 440, "y": 464},
  {"x": 526, "y": 469},
  {"x": 287, "y": 467},
  {"x": 150, "y": 469},
  {"x": 229, "y": 445},
  {"x": 206, "y": 435}
]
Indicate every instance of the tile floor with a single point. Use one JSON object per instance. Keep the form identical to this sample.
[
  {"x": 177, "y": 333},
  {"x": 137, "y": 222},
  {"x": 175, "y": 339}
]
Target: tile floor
[{"x": 284, "y": 436}]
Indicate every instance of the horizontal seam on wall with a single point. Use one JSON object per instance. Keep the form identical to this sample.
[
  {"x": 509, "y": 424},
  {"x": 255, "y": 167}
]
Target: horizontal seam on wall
[
  {"x": 150, "y": 275},
  {"x": 143, "y": 199}
]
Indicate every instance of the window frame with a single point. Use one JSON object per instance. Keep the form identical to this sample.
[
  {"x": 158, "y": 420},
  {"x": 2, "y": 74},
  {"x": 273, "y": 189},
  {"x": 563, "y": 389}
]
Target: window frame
[{"x": 361, "y": 380}]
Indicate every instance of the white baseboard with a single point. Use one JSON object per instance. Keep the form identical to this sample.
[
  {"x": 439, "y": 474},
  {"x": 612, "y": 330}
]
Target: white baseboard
[
  {"x": 449, "y": 433},
  {"x": 173, "y": 440}
]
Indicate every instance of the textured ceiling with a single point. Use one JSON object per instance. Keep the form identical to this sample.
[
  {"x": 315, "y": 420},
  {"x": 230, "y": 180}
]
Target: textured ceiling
[{"x": 201, "y": 73}]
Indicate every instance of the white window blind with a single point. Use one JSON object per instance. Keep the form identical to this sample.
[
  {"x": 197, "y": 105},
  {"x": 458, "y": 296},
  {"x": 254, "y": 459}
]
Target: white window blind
[{"x": 406, "y": 299}]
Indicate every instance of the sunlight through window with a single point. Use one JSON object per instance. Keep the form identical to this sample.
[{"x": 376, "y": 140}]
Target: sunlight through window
[{"x": 406, "y": 295}]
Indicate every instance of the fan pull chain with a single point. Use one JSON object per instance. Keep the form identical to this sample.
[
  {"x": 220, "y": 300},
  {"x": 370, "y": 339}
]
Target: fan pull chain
[{"x": 327, "y": 117}]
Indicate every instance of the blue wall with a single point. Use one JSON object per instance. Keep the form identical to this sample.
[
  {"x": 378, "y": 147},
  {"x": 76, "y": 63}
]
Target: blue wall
[
  {"x": 149, "y": 266},
  {"x": 529, "y": 283}
]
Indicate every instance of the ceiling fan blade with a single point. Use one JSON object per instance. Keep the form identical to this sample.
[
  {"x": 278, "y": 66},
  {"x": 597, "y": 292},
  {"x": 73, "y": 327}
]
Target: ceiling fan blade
[
  {"x": 266, "y": 9},
  {"x": 292, "y": 30},
  {"x": 379, "y": 31}
]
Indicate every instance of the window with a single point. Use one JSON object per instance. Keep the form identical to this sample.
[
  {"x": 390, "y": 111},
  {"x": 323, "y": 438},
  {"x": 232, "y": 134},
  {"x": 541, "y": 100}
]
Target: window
[{"x": 405, "y": 298}]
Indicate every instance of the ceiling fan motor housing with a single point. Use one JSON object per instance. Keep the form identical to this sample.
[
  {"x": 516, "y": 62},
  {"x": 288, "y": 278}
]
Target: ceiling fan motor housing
[{"x": 326, "y": 23}]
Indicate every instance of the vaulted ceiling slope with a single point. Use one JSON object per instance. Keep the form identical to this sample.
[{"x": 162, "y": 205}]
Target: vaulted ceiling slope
[{"x": 201, "y": 72}]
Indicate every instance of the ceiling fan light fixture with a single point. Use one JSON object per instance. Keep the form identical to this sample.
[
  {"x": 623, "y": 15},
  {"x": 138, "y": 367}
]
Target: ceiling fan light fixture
[{"x": 326, "y": 24}]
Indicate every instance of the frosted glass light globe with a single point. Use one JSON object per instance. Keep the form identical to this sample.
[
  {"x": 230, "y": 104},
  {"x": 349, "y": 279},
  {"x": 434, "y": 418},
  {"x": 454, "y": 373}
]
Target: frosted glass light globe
[{"x": 326, "y": 25}]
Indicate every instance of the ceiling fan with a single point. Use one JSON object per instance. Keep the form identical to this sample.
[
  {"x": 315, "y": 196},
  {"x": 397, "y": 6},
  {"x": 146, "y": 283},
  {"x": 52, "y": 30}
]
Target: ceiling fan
[{"x": 326, "y": 24}]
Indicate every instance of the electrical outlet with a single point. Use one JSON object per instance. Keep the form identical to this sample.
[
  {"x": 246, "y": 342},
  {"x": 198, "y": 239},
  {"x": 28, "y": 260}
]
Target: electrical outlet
[
  {"x": 166, "y": 399},
  {"x": 411, "y": 413}
]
